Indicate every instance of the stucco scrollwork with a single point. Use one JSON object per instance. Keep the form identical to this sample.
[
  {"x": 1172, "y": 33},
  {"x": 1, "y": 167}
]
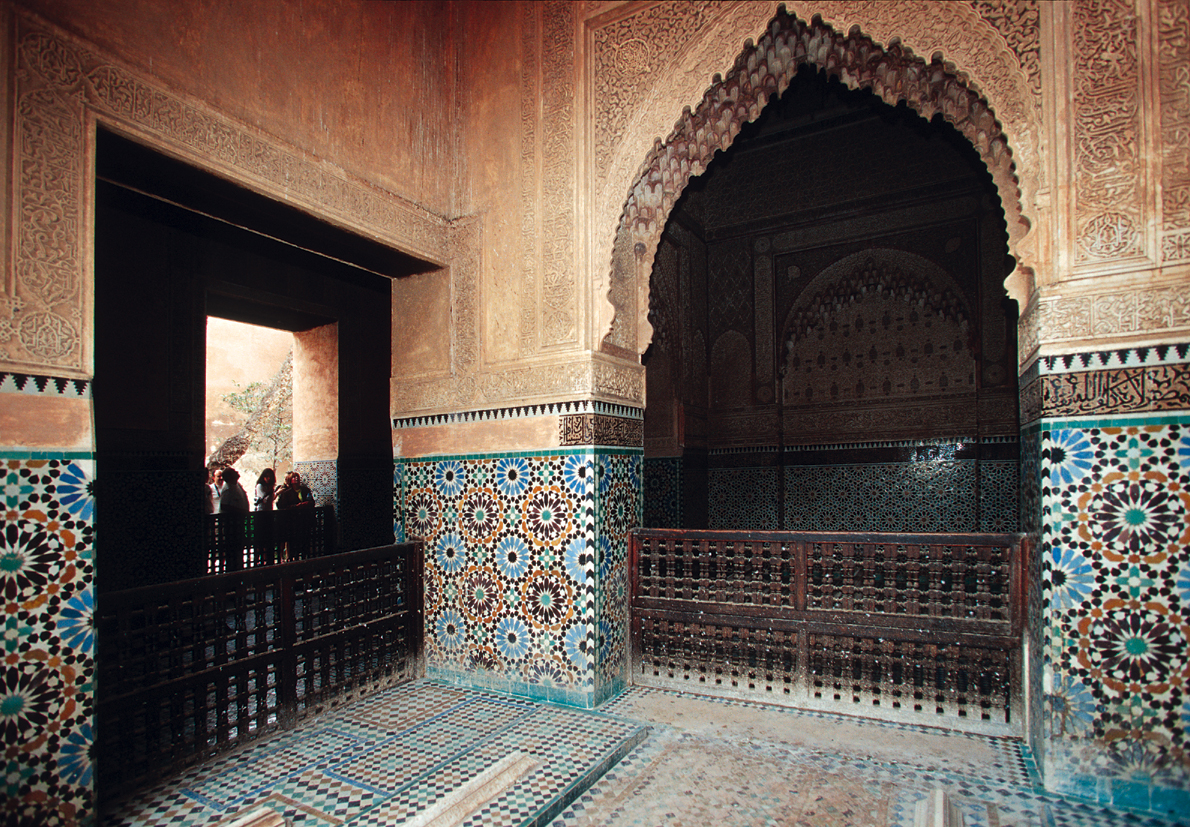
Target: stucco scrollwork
[
  {"x": 1173, "y": 52},
  {"x": 44, "y": 311},
  {"x": 765, "y": 69},
  {"x": 1108, "y": 314},
  {"x": 1108, "y": 164},
  {"x": 530, "y": 134}
]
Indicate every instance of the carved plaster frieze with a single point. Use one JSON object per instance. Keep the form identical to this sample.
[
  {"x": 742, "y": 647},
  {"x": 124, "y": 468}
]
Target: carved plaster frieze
[
  {"x": 1120, "y": 391},
  {"x": 530, "y": 172},
  {"x": 1019, "y": 23},
  {"x": 841, "y": 424},
  {"x": 1028, "y": 333},
  {"x": 980, "y": 68},
  {"x": 585, "y": 377},
  {"x": 1173, "y": 39},
  {"x": 559, "y": 294},
  {"x": 598, "y": 429},
  {"x": 466, "y": 254},
  {"x": 618, "y": 380},
  {"x": 752, "y": 425},
  {"x": 1109, "y": 316},
  {"x": 45, "y": 312},
  {"x": 1030, "y": 402},
  {"x": 1109, "y": 168}
]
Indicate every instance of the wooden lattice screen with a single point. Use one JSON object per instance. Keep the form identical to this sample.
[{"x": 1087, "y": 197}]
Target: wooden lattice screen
[
  {"x": 190, "y": 669},
  {"x": 908, "y": 627}
]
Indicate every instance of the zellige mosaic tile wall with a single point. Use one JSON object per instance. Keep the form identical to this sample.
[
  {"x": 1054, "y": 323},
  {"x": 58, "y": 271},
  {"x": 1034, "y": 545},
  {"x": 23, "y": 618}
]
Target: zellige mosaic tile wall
[
  {"x": 1114, "y": 447},
  {"x": 1116, "y": 541},
  {"x": 618, "y": 510},
  {"x": 662, "y": 492},
  {"x": 510, "y": 577},
  {"x": 47, "y": 574}
]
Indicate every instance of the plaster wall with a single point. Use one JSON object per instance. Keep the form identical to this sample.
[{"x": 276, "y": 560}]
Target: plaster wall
[
  {"x": 316, "y": 394},
  {"x": 360, "y": 85}
]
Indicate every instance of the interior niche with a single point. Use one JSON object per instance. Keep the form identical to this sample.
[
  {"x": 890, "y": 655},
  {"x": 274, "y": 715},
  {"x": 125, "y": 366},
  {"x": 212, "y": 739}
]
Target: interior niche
[{"x": 838, "y": 345}]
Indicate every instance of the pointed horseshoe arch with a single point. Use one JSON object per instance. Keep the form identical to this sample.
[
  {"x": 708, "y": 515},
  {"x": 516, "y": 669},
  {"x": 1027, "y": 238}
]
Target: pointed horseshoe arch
[{"x": 763, "y": 71}]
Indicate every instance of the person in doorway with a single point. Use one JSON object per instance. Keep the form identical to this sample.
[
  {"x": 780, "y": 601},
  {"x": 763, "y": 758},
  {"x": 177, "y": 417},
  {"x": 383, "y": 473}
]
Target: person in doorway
[
  {"x": 264, "y": 536},
  {"x": 297, "y": 523},
  {"x": 266, "y": 490},
  {"x": 233, "y": 511},
  {"x": 214, "y": 484}
]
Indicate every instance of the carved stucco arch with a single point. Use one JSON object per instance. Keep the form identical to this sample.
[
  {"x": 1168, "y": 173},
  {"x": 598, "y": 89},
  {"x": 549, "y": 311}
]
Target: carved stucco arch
[{"x": 764, "y": 70}]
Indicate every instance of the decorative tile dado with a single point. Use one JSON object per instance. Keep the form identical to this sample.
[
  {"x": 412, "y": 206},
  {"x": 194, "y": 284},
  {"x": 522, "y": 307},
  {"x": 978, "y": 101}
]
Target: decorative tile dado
[
  {"x": 597, "y": 429},
  {"x": 509, "y": 569},
  {"x": 1116, "y": 551},
  {"x": 617, "y": 512},
  {"x": 525, "y": 587},
  {"x": 47, "y": 573},
  {"x": 58, "y": 81},
  {"x": 1118, "y": 391},
  {"x": 35, "y": 385},
  {"x": 662, "y": 492}
]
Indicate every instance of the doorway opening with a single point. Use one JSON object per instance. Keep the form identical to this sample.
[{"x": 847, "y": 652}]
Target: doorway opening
[
  {"x": 249, "y": 398},
  {"x": 833, "y": 346},
  {"x": 174, "y": 246}
]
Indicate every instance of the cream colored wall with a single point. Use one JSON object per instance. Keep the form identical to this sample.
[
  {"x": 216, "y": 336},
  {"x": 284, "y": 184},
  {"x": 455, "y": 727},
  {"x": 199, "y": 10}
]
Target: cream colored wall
[
  {"x": 316, "y": 394},
  {"x": 368, "y": 87}
]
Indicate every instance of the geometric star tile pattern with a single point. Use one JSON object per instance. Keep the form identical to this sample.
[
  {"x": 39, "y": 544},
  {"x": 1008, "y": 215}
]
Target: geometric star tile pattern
[
  {"x": 515, "y": 545},
  {"x": 47, "y": 577},
  {"x": 1116, "y": 591},
  {"x": 399, "y": 752},
  {"x": 689, "y": 772}
]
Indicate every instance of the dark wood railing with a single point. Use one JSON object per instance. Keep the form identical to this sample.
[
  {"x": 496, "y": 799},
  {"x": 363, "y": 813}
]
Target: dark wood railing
[
  {"x": 907, "y": 627},
  {"x": 263, "y": 538},
  {"x": 190, "y": 669}
]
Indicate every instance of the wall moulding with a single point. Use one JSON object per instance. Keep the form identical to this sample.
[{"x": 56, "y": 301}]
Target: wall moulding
[
  {"x": 63, "y": 87},
  {"x": 1119, "y": 391},
  {"x": 586, "y": 376},
  {"x": 1107, "y": 318},
  {"x": 982, "y": 88}
]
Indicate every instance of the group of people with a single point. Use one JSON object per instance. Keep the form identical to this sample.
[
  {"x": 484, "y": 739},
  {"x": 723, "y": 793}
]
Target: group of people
[{"x": 226, "y": 496}]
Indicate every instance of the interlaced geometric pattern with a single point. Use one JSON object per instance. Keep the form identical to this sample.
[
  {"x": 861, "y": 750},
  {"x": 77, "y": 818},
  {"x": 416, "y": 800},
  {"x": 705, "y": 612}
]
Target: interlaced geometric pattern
[{"x": 892, "y": 626}]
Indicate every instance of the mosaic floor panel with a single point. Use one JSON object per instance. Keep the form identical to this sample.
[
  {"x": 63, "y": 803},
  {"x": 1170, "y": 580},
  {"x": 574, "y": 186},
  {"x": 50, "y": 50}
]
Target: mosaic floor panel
[
  {"x": 649, "y": 757},
  {"x": 385, "y": 760},
  {"x": 720, "y": 761}
]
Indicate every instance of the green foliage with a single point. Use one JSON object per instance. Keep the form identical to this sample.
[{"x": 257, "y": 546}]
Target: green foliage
[{"x": 273, "y": 431}]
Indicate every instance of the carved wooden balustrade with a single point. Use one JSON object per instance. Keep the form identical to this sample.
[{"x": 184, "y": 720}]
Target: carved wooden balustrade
[
  {"x": 190, "y": 669},
  {"x": 923, "y": 628},
  {"x": 263, "y": 538}
]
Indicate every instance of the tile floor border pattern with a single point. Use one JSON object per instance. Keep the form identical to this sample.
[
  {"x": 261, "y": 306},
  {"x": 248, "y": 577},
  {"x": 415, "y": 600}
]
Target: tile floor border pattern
[{"x": 387, "y": 758}]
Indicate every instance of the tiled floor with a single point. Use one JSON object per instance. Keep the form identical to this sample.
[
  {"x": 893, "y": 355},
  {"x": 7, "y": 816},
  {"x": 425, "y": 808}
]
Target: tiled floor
[
  {"x": 686, "y": 760},
  {"x": 392, "y": 756}
]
